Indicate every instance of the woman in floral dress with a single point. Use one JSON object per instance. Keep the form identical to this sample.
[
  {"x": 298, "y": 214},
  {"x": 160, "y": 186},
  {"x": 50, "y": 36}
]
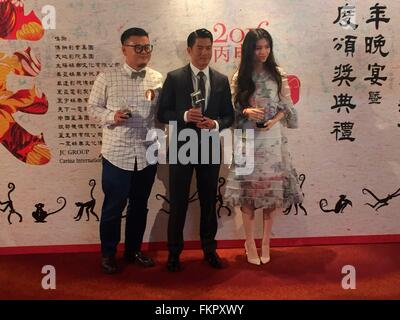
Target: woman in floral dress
[{"x": 262, "y": 102}]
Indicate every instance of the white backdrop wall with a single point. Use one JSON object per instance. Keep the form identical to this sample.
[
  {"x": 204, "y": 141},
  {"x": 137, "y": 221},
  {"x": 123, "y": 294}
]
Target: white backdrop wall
[{"x": 307, "y": 44}]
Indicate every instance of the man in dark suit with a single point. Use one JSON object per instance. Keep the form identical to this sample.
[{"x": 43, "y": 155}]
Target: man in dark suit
[{"x": 214, "y": 114}]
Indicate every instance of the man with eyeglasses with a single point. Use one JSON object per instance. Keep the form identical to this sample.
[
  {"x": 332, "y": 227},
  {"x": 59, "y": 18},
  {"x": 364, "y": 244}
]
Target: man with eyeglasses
[{"x": 123, "y": 100}]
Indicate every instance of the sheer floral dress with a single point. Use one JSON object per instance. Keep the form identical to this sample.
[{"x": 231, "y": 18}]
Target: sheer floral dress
[{"x": 274, "y": 181}]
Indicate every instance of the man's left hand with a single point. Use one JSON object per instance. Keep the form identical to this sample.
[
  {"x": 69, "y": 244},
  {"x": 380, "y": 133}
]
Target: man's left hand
[{"x": 207, "y": 123}]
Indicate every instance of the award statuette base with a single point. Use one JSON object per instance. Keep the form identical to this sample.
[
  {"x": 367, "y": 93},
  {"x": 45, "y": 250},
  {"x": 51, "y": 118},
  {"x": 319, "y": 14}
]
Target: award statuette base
[
  {"x": 260, "y": 124},
  {"x": 127, "y": 112}
]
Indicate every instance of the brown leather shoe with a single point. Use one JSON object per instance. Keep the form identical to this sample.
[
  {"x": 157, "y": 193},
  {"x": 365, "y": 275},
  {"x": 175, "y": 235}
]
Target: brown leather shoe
[
  {"x": 109, "y": 265},
  {"x": 140, "y": 259},
  {"x": 214, "y": 260}
]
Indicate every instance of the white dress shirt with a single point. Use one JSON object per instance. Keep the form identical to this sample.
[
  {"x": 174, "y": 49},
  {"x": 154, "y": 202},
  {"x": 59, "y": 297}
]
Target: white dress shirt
[{"x": 195, "y": 79}]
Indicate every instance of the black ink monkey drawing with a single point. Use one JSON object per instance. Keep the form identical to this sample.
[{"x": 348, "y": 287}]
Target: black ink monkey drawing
[
  {"x": 302, "y": 178},
  {"x": 40, "y": 215},
  {"x": 87, "y": 206},
  {"x": 381, "y": 202},
  {"x": 9, "y": 204},
  {"x": 339, "y": 207}
]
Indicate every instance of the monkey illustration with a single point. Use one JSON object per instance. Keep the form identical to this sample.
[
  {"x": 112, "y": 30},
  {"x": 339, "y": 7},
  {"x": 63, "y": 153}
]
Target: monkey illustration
[
  {"x": 160, "y": 196},
  {"x": 9, "y": 204},
  {"x": 220, "y": 202},
  {"x": 340, "y": 205},
  {"x": 381, "y": 202},
  {"x": 193, "y": 198},
  {"x": 87, "y": 206},
  {"x": 302, "y": 178},
  {"x": 40, "y": 215}
]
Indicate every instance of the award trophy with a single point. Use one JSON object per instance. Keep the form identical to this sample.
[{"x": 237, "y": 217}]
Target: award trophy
[
  {"x": 197, "y": 99},
  {"x": 260, "y": 124},
  {"x": 260, "y": 104},
  {"x": 270, "y": 112},
  {"x": 125, "y": 107}
]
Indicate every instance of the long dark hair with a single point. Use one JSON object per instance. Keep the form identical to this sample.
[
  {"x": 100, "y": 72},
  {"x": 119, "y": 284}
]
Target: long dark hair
[{"x": 245, "y": 84}]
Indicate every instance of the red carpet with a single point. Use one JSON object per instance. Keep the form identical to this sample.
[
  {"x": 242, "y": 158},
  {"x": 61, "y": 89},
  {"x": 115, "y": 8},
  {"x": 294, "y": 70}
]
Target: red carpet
[{"x": 308, "y": 272}]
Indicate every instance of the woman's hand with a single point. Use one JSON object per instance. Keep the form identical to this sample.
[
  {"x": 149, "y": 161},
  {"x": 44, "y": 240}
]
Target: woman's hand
[
  {"x": 254, "y": 114},
  {"x": 271, "y": 122},
  {"x": 268, "y": 125}
]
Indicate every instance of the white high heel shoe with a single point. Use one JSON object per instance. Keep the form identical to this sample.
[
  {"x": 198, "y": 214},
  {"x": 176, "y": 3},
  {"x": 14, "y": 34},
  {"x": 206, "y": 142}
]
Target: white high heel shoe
[
  {"x": 252, "y": 260},
  {"x": 265, "y": 258}
]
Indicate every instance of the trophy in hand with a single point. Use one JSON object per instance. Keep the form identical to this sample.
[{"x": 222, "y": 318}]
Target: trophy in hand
[
  {"x": 197, "y": 99},
  {"x": 260, "y": 104},
  {"x": 125, "y": 107}
]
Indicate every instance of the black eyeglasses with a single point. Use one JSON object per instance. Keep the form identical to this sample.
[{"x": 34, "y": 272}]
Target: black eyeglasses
[{"x": 139, "y": 48}]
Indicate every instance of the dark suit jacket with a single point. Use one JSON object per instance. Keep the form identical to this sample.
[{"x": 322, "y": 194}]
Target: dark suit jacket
[{"x": 175, "y": 99}]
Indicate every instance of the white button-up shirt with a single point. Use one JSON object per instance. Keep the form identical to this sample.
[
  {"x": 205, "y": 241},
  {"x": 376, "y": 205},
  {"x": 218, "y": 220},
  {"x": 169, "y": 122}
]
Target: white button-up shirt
[
  {"x": 114, "y": 90},
  {"x": 207, "y": 83},
  {"x": 196, "y": 79}
]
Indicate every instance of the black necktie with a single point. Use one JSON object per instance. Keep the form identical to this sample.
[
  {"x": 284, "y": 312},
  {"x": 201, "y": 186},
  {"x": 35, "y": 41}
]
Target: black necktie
[
  {"x": 136, "y": 74},
  {"x": 202, "y": 87}
]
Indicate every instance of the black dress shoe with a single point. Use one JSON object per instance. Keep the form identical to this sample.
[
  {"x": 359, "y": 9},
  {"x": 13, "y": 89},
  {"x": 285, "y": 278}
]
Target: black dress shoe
[
  {"x": 109, "y": 265},
  {"x": 140, "y": 259},
  {"x": 173, "y": 264},
  {"x": 214, "y": 260}
]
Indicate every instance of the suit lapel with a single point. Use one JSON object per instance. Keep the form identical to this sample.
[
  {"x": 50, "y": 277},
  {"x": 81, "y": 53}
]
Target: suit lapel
[{"x": 188, "y": 75}]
